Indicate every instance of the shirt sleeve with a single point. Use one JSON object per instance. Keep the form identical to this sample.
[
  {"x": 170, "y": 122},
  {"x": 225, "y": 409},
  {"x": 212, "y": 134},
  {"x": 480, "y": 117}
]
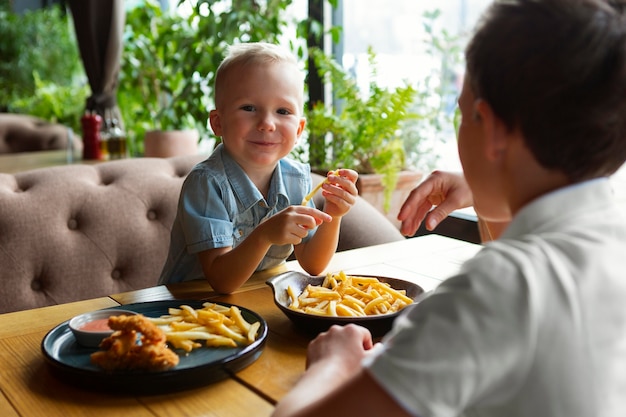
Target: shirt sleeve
[
  {"x": 470, "y": 340},
  {"x": 205, "y": 219}
]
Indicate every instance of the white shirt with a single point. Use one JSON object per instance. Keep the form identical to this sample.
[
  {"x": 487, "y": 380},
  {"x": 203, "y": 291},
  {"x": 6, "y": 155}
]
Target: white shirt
[{"x": 534, "y": 325}]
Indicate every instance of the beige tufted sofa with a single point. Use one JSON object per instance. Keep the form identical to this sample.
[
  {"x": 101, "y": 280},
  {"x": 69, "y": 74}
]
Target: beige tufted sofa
[
  {"x": 24, "y": 133},
  {"x": 81, "y": 231}
]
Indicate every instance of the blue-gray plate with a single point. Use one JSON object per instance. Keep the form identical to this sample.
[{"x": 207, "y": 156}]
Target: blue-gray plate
[
  {"x": 70, "y": 361},
  {"x": 378, "y": 325}
]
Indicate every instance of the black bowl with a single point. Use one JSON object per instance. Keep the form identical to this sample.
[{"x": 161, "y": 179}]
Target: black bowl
[{"x": 378, "y": 325}]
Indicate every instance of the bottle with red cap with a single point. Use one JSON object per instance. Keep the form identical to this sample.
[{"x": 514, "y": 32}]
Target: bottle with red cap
[{"x": 91, "y": 123}]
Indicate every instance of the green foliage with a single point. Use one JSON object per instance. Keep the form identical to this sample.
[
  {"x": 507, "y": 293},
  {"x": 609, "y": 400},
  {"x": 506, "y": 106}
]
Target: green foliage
[
  {"x": 55, "y": 103},
  {"x": 365, "y": 132},
  {"x": 169, "y": 60},
  {"x": 52, "y": 71}
]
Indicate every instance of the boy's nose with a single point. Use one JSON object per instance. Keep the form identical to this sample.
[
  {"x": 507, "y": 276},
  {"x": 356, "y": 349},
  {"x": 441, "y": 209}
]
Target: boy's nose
[{"x": 266, "y": 123}]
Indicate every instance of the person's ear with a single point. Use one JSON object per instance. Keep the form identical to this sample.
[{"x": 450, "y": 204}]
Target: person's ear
[
  {"x": 493, "y": 128},
  {"x": 301, "y": 126},
  {"x": 216, "y": 122}
]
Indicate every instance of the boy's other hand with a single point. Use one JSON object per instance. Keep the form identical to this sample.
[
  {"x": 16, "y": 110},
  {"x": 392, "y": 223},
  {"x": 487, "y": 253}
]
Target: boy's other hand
[{"x": 340, "y": 192}]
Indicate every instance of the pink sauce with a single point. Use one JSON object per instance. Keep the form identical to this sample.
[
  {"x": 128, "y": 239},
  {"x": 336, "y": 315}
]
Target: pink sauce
[{"x": 99, "y": 325}]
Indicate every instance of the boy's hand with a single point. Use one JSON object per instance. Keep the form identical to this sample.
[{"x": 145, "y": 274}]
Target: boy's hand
[
  {"x": 340, "y": 192},
  {"x": 291, "y": 225}
]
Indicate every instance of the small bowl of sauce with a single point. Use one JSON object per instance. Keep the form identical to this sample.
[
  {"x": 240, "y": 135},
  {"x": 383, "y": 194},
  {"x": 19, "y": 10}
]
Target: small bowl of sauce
[{"x": 90, "y": 328}]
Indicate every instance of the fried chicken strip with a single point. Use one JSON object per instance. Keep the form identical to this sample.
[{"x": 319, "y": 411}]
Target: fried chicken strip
[{"x": 136, "y": 343}]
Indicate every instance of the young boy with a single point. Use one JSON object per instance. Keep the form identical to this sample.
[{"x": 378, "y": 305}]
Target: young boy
[
  {"x": 535, "y": 324},
  {"x": 240, "y": 210}
]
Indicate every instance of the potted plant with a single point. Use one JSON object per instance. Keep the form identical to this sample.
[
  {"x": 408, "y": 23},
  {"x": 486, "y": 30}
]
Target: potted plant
[
  {"x": 154, "y": 92},
  {"x": 363, "y": 133},
  {"x": 170, "y": 58}
]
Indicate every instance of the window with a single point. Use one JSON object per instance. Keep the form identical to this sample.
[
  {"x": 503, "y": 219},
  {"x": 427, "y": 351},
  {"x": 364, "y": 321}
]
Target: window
[{"x": 396, "y": 32}]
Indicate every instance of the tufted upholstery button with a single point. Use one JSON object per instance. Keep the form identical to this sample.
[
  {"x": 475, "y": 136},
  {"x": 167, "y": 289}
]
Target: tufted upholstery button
[
  {"x": 72, "y": 224},
  {"x": 36, "y": 285},
  {"x": 152, "y": 215},
  {"x": 116, "y": 274}
]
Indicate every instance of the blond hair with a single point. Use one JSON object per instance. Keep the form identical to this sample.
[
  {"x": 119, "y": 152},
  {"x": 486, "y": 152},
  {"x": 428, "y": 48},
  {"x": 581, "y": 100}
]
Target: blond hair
[{"x": 252, "y": 53}]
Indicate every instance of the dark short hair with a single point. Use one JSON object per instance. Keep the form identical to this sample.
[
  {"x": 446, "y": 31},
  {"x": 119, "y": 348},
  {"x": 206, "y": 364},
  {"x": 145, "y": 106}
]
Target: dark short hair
[{"x": 556, "y": 70}]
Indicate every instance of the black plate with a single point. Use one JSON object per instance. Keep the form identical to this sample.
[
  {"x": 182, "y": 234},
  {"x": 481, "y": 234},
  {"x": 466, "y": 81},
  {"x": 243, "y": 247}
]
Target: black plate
[
  {"x": 378, "y": 325},
  {"x": 71, "y": 361}
]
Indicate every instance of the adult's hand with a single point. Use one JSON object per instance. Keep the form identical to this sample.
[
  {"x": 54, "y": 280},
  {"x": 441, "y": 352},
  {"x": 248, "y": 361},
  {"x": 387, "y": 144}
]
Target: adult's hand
[
  {"x": 335, "y": 383},
  {"x": 433, "y": 200},
  {"x": 347, "y": 345}
]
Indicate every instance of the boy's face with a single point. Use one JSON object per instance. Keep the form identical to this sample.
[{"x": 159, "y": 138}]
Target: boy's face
[
  {"x": 479, "y": 167},
  {"x": 259, "y": 115}
]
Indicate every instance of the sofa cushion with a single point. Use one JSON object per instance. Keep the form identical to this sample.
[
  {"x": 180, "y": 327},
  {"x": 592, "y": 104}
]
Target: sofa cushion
[{"x": 24, "y": 133}]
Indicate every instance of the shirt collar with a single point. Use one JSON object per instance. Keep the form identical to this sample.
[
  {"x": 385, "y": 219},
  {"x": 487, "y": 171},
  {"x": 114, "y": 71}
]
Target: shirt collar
[
  {"x": 563, "y": 205},
  {"x": 245, "y": 190}
]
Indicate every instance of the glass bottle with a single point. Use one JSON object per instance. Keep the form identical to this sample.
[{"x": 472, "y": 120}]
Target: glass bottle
[
  {"x": 104, "y": 140},
  {"x": 116, "y": 141},
  {"x": 91, "y": 123}
]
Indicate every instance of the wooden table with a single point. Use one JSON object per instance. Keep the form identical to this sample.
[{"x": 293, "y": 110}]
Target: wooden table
[{"x": 28, "y": 388}]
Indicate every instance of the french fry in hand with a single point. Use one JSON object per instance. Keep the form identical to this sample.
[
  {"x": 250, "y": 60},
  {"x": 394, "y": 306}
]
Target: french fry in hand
[
  {"x": 347, "y": 295},
  {"x": 212, "y": 325},
  {"x": 310, "y": 195}
]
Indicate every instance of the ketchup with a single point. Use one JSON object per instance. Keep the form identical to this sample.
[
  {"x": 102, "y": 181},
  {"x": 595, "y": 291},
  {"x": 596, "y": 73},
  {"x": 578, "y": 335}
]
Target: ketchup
[{"x": 99, "y": 325}]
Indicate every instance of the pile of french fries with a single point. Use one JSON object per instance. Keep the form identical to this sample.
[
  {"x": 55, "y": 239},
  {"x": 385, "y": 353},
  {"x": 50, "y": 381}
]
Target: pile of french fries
[
  {"x": 348, "y": 295},
  {"x": 213, "y": 324}
]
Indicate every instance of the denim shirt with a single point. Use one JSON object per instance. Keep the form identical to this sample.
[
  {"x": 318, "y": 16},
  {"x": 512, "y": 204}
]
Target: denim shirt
[{"x": 219, "y": 207}]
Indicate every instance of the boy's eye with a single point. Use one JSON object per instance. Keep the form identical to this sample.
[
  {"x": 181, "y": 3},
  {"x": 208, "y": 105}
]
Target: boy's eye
[
  {"x": 247, "y": 108},
  {"x": 283, "y": 111}
]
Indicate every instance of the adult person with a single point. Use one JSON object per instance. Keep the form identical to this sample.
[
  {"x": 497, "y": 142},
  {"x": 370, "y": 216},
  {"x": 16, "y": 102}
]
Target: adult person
[{"x": 534, "y": 325}]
